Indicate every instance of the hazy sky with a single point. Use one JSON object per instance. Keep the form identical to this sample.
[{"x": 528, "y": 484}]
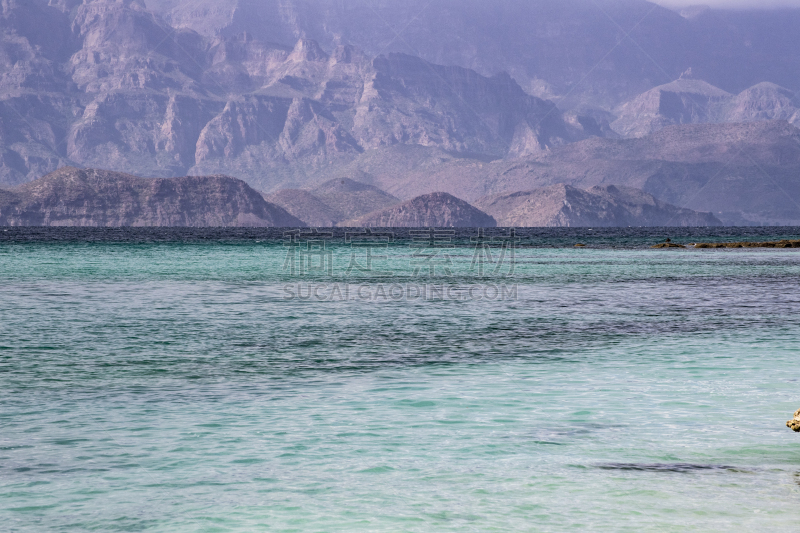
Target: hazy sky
[{"x": 729, "y": 3}]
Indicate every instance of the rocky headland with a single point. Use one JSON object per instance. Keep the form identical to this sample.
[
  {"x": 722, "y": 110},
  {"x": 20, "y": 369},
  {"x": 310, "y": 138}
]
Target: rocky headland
[{"x": 100, "y": 198}]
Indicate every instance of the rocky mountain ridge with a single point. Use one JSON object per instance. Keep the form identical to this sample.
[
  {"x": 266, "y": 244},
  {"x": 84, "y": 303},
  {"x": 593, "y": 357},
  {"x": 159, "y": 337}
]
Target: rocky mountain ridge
[
  {"x": 90, "y": 197},
  {"x": 602, "y": 52},
  {"x": 127, "y": 91},
  {"x": 98, "y": 198},
  {"x": 332, "y": 202},
  {"x": 601, "y": 206},
  {"x": 746, "y": 174},
  {"x": 434, "y": 210},
  {"x": 693, "y": 101}
]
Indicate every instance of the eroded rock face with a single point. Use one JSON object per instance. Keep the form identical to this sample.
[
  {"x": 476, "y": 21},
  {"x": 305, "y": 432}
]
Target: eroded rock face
[
  {"x": 551, "y": 43},
  {"x": 407, "y": 100},
  {"x": 74, "y": 197},
  {"x": 436, "y": 210},
  {"x": 107, "y": 83}
]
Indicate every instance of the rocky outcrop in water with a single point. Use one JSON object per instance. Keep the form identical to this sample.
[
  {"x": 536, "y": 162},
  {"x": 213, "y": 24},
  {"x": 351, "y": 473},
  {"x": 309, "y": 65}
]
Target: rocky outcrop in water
[
  {"x": 794, "y": 424},
  {"x": 436, "y": 210},
  {"x": 74, "y": 197},
  {"x": 607, "y": 206},
  {"x": 786, "y": 243}
]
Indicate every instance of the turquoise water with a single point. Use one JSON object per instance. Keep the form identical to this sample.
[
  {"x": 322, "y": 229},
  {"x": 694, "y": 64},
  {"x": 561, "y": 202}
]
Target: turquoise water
[{"x": 176, "y": 387}]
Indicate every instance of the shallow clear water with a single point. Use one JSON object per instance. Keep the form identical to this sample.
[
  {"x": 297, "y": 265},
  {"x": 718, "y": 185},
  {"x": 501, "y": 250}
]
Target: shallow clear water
[{"x": 175, "y": 386}]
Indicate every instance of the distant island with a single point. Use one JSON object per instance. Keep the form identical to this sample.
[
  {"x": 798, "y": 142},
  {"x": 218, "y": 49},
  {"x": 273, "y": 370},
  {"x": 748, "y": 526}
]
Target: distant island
[{"x": 99, "y": 198}]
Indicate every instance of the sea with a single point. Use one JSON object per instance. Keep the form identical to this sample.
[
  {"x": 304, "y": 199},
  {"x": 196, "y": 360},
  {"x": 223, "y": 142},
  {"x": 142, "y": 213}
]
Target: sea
[{"x": 222, "y": 380}]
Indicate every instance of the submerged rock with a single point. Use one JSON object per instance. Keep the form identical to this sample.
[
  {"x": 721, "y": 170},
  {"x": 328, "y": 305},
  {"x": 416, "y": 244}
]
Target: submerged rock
[
  {"x": 794, "y": 424},
  {"x": 775, "y": 244}
]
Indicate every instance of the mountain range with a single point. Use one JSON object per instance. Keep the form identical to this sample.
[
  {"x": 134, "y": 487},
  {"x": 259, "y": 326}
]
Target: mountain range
[
  {"x": 601, "y": 52},
  {"x": 469, "y": 98},
  {"x": 100, "y": 198},
  {"x": 609, "y": 206},
  {"x": 692, "y": 101}
]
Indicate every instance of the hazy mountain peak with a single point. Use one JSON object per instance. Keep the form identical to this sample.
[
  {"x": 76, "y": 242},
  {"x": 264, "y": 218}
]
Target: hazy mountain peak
[
  {"x": 352, "y": 199},
  {"x": 686, "y": 100},
  {"x": 434, "y": 210},
  {"x": 691, "y": 12},
  {"x": 769, "y": 86},
  {"x": 690, "y": 101},
  {"x": 764, "y": 101},
  {"x": 562, "y": 205},
  {"x": 691, "y": 85}
]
